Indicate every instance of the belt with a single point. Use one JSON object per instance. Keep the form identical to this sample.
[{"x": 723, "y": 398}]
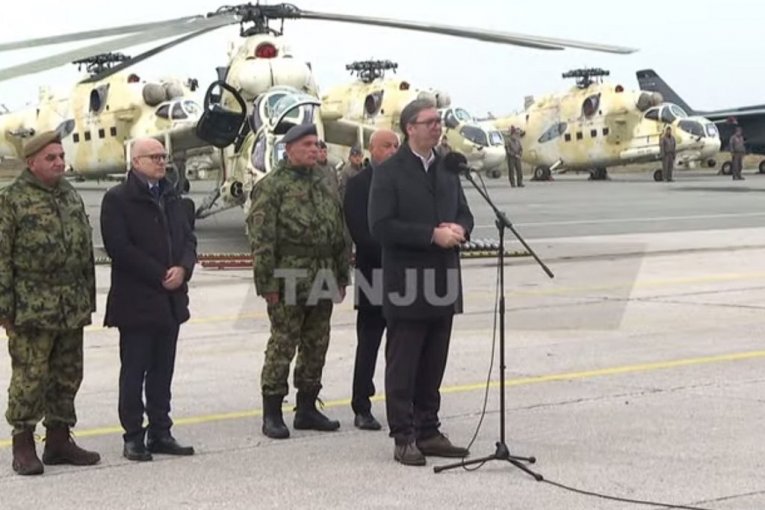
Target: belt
[{"x": 308, "y": 251}]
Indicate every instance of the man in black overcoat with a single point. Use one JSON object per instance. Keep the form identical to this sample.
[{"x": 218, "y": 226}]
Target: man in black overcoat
[
  {"x": 419, "y": 214},
  {"x": 148, "y": 236}
]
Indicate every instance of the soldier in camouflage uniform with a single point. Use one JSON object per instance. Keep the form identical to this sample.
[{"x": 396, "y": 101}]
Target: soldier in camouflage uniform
[
  {"x": 351, "y": 168},
  {"x": 295, "y": 223},
  {"x": 47, "y": 295}
]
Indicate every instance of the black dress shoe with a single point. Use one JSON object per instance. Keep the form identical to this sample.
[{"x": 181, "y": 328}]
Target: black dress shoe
[
  {"x": 365, "y": 421},
  {"x": 168, "y": 445},
  {"x": 408, "y": 454},
  {"x": 136, "y": 450}
]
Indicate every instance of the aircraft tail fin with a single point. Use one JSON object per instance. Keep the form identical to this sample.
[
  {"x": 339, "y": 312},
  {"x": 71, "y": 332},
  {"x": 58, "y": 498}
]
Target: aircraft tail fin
[{"x": 649, "y": 80}]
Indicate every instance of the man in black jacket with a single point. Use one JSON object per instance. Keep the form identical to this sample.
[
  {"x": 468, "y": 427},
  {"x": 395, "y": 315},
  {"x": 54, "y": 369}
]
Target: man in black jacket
[
  {"x": 419, "y": 214},
  {"x": 370, "y": 322},
  {"x": 147, "y": 234}
]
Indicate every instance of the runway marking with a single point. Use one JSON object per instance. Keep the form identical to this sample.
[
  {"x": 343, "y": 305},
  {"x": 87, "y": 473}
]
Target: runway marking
[
  {"x": 628, "y": 220},
  {"x": 463, "y": 388},
  {"x": 557, "y": 291}
]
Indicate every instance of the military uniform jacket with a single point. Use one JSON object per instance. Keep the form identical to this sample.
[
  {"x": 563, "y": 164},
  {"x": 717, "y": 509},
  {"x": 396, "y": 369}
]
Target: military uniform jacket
[
  {"x": 736, "y": 144},
  {"x": 513, "y": 146},
  {"x": 47, "y": 272},
  {"x": 667, "y": 146},
  {"x": 295, "y": 222},
  {"x": 405, "y": 205},
  {"x": 144, "y": 239}
]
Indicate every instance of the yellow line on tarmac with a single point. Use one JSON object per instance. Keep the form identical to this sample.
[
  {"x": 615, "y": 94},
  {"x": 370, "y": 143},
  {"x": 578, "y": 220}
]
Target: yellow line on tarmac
[{"x": 464, "y": 388}]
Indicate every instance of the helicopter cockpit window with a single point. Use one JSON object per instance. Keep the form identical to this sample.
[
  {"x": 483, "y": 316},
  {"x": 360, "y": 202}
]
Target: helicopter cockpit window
[
  {"x": 259, "y": 154},
  {"x": 652, "y": 114},
  {"x": 164, "y": 111},
  {"x": 495, "y": 138},
  {"x": 450, "y": 120},
  {"x": 178, "y": 113},
  {"x": 692, "y": 127},
  {"x": 291, "y": 112},
  {"x": 667, "y": 115},
  {"x": 192, "y": 109},
  {"x": 98, "y": 98},
  {"x": 463, "y": 115},
  {"x": 475, "y": 134},
  {"x": 712, "y": 130},
  {"x": 553, "y": 132},
  {"x": 678, "y": 112}
]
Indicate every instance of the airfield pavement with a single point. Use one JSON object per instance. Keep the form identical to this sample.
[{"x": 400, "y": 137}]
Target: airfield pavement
[{"x": 636, "y": 372}]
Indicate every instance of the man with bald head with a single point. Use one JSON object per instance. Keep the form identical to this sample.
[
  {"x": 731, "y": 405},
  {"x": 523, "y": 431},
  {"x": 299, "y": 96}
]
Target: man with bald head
[
  {"x": 148, "y": 235},
  {"x": 47, "y": 296},
  {"x": 370, "y": 323}
]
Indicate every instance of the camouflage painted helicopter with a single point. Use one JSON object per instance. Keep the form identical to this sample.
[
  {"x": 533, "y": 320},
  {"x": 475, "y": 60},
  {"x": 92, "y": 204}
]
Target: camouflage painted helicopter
[
  {"x": 264, "y": 89},
  {"x": 100, "y": 116},
  {"x": 376, "y": 101},
  {"x": 598, "y": 124}
]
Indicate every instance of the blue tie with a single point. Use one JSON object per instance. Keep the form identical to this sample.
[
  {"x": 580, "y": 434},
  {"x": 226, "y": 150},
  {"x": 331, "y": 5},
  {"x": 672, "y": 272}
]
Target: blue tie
[{"x": 154, "y": 188}]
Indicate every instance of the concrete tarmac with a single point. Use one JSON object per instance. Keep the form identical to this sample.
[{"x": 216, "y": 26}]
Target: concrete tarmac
[{"x": 636, "y": 372}]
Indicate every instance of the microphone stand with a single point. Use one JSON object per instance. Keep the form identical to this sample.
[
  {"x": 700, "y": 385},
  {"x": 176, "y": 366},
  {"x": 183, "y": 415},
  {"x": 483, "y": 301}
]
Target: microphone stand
[{"x": 502, "y": 451}]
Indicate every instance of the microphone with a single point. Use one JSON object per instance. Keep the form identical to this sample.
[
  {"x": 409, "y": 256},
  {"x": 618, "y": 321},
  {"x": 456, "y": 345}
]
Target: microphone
[{"x": 456, "y": 162}]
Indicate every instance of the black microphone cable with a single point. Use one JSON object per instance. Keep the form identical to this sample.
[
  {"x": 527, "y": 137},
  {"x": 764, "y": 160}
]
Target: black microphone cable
[{"x": 545, "y": 480}]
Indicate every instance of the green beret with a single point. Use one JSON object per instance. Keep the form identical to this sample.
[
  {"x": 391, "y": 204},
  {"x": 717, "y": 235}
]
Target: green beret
[{"x": 38, "y": 142}]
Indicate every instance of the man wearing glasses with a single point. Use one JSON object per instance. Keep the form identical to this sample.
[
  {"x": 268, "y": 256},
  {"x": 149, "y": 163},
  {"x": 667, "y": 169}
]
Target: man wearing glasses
[
  {"x": 148, "y": 236},
  {"x": 418, "y": 213}
]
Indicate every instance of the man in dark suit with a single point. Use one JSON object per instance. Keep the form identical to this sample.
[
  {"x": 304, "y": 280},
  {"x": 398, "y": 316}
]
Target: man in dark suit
[
  {"x": 147, "y": 234},
  {"x": 370, "y": 322},
  {"x": 419, "y": 214}
]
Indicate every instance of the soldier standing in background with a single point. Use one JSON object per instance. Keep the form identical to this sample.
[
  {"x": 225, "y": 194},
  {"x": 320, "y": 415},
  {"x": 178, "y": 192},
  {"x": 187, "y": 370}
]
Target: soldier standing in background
[
  {"x": 47, "y": 296},
  {"x": 352, "y": 168},
  {"x": 667, "y": 147},
  {"x": 737, "y": 151},
  {"x": 296, "y": 232},
  {"x": 513, "y": 152}
]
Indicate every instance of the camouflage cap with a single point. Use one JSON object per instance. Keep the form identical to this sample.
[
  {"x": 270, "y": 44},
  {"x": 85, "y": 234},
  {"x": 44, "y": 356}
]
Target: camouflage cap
[
  {"x": 356, "y": 151},
  {"x": 295, "y": 133},
  {"x": 322, "y": 144},
  {"x": 38, "y": 142}
]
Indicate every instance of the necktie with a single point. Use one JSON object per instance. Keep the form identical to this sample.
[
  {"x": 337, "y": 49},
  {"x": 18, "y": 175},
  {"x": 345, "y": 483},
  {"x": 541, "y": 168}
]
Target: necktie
[{"x": 154, "y": 188}]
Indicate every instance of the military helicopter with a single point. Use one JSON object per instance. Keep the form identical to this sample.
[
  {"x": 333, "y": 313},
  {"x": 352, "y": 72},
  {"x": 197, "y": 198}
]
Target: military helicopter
[
  {"x": 100, "y": 116},
  {"x": 264, "y": 89},
  {"x": 598, "y": 124},
  {"x": 376, "y": 101}
]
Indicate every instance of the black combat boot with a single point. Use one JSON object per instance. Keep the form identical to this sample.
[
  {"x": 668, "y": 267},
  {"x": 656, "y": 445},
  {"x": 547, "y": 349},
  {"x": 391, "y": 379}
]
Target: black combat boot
[
  {"x": 307, "y": 417},
  {"x": 60, "y": 448},
  {"x": 25, "y": 459},
  {"x": 273, "y": 422}
]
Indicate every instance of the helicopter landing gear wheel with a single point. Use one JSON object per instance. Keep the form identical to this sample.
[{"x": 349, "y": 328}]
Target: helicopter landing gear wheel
[
  {"x": 599, "y": 174},
  {"x": 726, "y": 168},
  {"x": 658, "y": 175},
  {"x": 494, "y": 174},
  {"x": 542, "y": 173},
  {"x": 761, "y": 166}
]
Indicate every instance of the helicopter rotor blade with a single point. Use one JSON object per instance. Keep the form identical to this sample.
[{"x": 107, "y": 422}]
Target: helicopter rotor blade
[
  {"x": 59, "y": 59},
  {"x": 530, "y": 41},
  {"x": 92, "y": 34},
  {"x": 147, "y": 54}
]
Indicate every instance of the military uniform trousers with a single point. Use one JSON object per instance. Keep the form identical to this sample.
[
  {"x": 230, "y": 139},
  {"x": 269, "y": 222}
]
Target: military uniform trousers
[
  {"x": 370, "y": 325},
  {"x": 147, "y": 357},
  {"x": 667, "y": 164},
  {"x": 514, "y": 171},
  {"x": 46, "y": 372},
  {"x": 736, "y": 164},
  {"x": 301, "y": 327},
  {"x": 415, "y": 354}
]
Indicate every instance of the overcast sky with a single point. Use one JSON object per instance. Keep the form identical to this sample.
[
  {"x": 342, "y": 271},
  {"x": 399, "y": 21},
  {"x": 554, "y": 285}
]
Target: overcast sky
[{"x": 709, "y": 51}]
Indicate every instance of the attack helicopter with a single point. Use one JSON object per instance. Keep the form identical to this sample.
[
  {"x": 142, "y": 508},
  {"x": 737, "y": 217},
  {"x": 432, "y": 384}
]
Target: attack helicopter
[
  {"x": 100, "y": 116},
  {"x": 264, "y": 89},
  {"x": 372, "y": 99},
  {"x": 597, "y": 124}
]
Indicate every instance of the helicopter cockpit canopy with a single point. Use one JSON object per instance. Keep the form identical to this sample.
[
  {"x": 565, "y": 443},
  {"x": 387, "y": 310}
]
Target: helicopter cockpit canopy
[
  {"x": 185, "y": 109},
  {"x": 453, "y": 117},
  {"x": 666, "y": 113},
  {"x": 281, "y": 108}
]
